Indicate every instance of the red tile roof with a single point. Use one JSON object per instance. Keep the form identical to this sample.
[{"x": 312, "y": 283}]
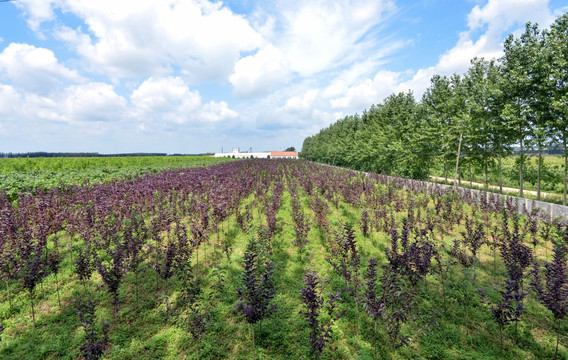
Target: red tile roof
[{"x": 283, "y": 153}]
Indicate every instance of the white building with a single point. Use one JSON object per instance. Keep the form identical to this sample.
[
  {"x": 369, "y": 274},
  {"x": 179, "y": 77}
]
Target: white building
[
  {"x": 245, "y": 155},
  {"x": 259, "y": 155},
  {"x": 284, "y": 155}
]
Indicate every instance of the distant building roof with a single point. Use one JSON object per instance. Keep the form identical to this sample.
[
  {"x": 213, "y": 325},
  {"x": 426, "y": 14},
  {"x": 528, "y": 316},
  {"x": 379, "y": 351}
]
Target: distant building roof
[{"x": 283, "y": 153}]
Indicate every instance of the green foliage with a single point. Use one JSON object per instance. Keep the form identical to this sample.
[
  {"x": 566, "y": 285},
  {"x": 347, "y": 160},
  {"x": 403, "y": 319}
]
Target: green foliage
[
  {"x": 30, "y": 174},
  {"x": 387, "y": 138}
]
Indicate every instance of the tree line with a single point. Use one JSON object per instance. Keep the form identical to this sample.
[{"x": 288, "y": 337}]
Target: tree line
[
  {"x": 43, "y": 154},
  {"x": 517, "y": 102}
]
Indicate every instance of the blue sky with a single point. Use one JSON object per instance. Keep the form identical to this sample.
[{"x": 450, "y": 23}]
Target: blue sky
[{"x": 193, "y": 76}]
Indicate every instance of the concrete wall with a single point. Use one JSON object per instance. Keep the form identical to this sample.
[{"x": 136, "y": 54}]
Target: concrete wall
[{"x": 284, "y": 157}]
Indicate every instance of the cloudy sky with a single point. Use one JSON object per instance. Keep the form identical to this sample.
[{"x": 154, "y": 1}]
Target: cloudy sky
[{"x": 193, "y": 76}]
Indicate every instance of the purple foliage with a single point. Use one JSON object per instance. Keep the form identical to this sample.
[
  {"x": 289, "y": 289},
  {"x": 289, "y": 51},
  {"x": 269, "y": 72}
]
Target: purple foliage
[
  {"x": 320, "y": 330},
  {"x": 460, "y": 255},
  {"x": 373, "y": 304},
  {"x": 474, "y": 236},
  {"x": 258, "y": 290},
  {"x": 111, "y": 267},
  {"x": 411, "y": 259},
  {"x": 398, "y": 302},
  {"x": 554, "y": 293},
  {"x": 245, "y": 219},
  {"x": 516, "y": 255},
  {"x": 321, "y": 210},
  {"x": 301, "y": 229},
  {"x": 84, "y": 263},
  {"x": 96, "y": 336},
  {"x": 345, "y": 257},
  {"x": 365, "y": 222},
  {"x": 198, "y": 313}
]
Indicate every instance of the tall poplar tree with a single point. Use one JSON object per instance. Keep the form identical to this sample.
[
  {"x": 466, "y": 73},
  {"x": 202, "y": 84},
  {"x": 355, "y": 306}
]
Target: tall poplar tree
[
  {"x": 557, "y": 50},
  {"x": 515, "y": 86}
]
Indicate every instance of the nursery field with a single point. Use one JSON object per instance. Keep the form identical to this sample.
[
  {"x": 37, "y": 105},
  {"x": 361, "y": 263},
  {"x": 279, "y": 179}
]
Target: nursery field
[
  {"x": 278, "y": 259},
  {"x": 29, "y": 174}
]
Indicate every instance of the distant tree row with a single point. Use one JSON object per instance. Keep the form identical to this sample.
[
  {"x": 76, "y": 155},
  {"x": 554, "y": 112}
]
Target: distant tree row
[
  {"x": 39, "y": 154},
  {"x": 474, "y": 119}
]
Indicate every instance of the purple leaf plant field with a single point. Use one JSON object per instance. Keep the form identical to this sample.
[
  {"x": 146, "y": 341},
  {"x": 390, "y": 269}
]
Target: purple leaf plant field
[{"x": 278, "y": 259}]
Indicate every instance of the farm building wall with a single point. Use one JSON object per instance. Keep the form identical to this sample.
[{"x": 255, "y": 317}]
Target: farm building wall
[{"x": 247, "y": 155}]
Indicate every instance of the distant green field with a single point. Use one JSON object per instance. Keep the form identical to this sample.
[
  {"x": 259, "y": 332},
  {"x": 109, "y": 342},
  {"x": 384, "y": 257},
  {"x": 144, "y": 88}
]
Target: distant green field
[
  {"x": 552, "y": 173},
  {"x": 23, "y": 174}
]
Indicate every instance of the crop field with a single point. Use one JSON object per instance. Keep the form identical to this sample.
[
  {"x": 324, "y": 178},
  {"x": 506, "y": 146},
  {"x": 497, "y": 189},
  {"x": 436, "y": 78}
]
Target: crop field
[
  {"x": 23, "y": 174},
  {"x": 552, "y": 174},
  {"x": 278, "y": 259}
]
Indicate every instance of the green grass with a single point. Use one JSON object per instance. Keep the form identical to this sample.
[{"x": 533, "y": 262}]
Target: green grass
[
  {"x": 552, "y": 177},
  {"x": 546, "y": 197},
  {"x": 143, "y": 330}
]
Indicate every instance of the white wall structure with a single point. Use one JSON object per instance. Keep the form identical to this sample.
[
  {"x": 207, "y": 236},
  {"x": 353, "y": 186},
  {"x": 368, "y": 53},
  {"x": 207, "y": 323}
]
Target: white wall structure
[
  {"x": 244, "y": 155},
  {"x": 259, "y": 155}
]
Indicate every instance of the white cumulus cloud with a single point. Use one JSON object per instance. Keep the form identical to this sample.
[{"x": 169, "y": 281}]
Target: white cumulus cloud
[
  {"x": 170, "y": 99},
  {"x": 93, "y": 102},
  {"x": 259, "y": 73},
  {"x": 138, "y": 38},
  {"x": 10, "y": 102},
  {"x": 369, "y": 91},
  {"x": 34, "y": 69},
  {"x": 319, "y": 35},
  {"x": 37, "y": 11}
]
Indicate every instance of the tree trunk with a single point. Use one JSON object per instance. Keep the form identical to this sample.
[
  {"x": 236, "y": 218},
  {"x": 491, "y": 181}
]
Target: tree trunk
[
  {"x": 136, "y": 285},
  {"x": 71, "y": 249},
  {"x": 57, "y": 286},
  {"x": 501, "y": 348},
  {"x": 446, "y": 172},
  {"x": 467, "y": 319},
  {"x": 565, "y": 171},
  {"x": 253, "y": 349},
  {"x": 9, "y": 294},
  {"x": 32, "y": 303},
  {"x": 500, "y": 175},
  {"x": 443, "y": 292},
  {"x": 556, "y": 350},
  {"x": 557, "y": 337},
  {"x": 375, "y": 339},
  {"x": 521, "y": 171},
  {"x": 538, "y": 171},
  {"x": 428, "y": 167},
  {"x": 357, "y": 314},
  {"x": 458, "y": 158},
  {"x": 516, "y": 332},
  {"x": 486, "y": 174}
]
